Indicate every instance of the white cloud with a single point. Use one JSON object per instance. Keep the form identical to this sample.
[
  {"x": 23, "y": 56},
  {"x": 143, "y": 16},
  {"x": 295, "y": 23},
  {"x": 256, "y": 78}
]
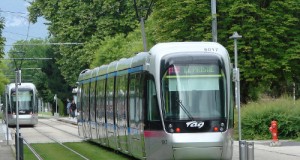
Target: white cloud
[{"x": 15, "y": 21}]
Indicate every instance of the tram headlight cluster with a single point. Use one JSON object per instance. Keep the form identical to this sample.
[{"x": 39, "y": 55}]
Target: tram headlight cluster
[
  {"x": 221, "y": 128},
  {"x": 171, "y": 128}
]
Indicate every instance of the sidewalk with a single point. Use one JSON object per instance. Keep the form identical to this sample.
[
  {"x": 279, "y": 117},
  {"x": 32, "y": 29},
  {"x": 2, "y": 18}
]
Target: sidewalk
[
  {"x": 6, "y": 150},
  {"x": 288, "y": 150}
]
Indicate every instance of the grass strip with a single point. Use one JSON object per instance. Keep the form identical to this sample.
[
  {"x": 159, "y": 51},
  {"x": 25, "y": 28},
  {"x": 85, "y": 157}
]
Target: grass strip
[
  {"x": 95, "y": 151},
  {"x": 50, "y": 151},
  {"x": 28, "y": 154}
]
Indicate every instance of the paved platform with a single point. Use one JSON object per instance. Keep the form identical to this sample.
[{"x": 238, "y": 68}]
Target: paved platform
[{"x": 6, "y": 145}]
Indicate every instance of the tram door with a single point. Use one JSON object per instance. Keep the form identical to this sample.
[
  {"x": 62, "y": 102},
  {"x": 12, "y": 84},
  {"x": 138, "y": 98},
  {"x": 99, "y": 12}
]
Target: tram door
[
  {"x": 121, "y": 111},
  {"x": 136, "y": 115}
]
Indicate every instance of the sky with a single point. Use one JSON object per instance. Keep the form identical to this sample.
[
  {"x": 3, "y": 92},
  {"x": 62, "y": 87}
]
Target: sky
[{"x": 17, "y": 26}]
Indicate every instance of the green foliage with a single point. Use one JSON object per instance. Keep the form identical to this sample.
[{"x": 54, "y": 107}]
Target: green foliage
[
  {"x": 269, "y": 32},
  {"x": 119, "y": 46},
  {"x": 257, "y": 117},
  {"x": 2, "y": 39},
  {"x": 187, "y": 20},
  {"x": 3, "y": 79},
  {"x": 61, "y": 107},
  {"x": 47, "y": 76},
  {"x": 269, "y": 51},
  {"x": 85, "y": 22}
]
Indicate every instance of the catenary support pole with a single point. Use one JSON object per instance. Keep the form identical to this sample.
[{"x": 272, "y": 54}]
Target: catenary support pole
[
  {"x": 143, "y": 34},
  {"x": 214, "y": 20},
  {"x": 17, "y": 114}
]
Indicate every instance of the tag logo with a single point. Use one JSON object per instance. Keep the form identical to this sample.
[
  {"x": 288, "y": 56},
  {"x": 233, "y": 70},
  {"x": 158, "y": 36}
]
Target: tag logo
[{"x": 194, "y": 124}]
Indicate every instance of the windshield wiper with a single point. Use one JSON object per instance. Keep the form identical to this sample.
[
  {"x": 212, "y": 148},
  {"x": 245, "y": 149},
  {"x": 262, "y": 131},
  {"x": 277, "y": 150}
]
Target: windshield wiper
[{"x": 184, "y": 109}]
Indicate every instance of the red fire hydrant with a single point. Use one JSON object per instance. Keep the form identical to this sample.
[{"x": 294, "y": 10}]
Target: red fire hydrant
[{"x": 273, "y": 130}]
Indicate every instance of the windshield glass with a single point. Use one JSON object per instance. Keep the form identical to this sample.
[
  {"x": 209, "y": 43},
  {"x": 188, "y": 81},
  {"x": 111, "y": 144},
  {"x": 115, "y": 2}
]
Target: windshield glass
[
  {"x": 25, "y": 99},
  {"x": 193, "y": 92}
]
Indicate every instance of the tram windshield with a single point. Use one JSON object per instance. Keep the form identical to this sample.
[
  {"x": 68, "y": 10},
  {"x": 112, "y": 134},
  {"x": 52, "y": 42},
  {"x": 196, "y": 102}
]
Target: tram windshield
[
  {"x": 194, "y": 92},
  {"x": 25, "y": 98}
]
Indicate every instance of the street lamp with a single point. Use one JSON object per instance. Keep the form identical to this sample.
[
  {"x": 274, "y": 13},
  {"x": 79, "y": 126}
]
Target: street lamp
[{"x": 236, "y": 78}]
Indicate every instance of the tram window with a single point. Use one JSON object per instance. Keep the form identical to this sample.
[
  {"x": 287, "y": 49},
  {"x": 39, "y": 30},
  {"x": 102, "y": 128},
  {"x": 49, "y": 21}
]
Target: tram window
[
  {"x": 85, "y": 104},
  {"x": 153, "y": 113},
  {"x": 110, "y": 100},
  {"x": 92, "y": 101},
  {"x": 136, "y": 100},
  {"x": 121, "y": 95},
  {"x": 100, "y": 100},
  {"x": 79, "y": 99}
]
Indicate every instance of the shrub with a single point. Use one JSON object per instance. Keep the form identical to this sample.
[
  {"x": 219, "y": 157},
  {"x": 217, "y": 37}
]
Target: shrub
[{"x": 257, "y": 117}]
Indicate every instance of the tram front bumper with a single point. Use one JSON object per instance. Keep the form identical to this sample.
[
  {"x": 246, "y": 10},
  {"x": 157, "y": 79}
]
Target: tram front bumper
[
  {"x": 197, "y": 153},
  {"x": 206, "y": 146}
]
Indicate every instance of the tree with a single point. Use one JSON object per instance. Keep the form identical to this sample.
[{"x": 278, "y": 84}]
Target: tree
[
  {"x": 43, "y": 73},
  {"x": 85, "y": 22},
  {"x": 3, "y": 79},
  {"x": 2, "y": 39},
  {"x": 119, "y": 46},
  {"x": 268, "y": 51}
]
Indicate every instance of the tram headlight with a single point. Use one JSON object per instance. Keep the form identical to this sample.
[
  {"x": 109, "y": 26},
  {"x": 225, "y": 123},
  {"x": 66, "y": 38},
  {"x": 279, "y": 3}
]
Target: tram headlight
[
  {"x": 222, "y": 127},
  {"x": 171, "y": 128}
]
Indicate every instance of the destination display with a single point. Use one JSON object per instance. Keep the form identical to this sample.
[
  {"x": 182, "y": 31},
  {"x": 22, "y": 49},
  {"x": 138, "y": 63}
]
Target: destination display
[{"x": 195, "y": 69}]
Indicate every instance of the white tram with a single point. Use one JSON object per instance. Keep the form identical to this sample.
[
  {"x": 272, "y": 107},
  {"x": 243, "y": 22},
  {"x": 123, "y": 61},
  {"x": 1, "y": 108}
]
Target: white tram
[
  {"x": 173, "y": 102},
  {"x": 28, "y": 106}
]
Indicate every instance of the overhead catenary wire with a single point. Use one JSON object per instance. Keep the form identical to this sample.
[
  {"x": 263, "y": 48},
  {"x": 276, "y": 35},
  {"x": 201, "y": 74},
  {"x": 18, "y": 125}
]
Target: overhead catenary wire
[{"x": 44, "y": 44}]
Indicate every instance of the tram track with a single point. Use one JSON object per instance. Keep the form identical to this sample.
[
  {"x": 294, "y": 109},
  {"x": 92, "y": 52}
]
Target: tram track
[
  {"x": 51, "y": 131},
  {"x": 32, "y": 150},
  {"x": 73, "y": 134},
  {"x": 60, "y": 143}
]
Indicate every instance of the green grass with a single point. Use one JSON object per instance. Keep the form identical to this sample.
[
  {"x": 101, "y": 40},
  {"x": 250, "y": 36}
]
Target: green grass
[
  {"x": 94, "y": 151},
  {"x": 50, "y": 151},
  {"x": 28, "y": 154}
]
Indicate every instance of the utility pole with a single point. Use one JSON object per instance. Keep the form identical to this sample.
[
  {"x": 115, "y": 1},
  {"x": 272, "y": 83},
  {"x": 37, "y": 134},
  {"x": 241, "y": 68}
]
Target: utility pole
[
  {"x": 214, "y": 20},
  {"x": 141, "y": 18},
  {"x": 18, "y": 81}
]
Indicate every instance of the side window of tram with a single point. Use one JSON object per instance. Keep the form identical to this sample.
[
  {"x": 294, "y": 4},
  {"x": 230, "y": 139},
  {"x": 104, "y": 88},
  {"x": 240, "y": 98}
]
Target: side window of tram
[
  {"x": 153, "y": 112},
  {"x": 153, "y": 121},
  {"x": 136, "y": 98}
]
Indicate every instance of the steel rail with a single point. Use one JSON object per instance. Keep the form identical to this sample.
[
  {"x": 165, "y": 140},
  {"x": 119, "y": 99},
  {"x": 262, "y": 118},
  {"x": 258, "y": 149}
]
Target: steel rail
[
  {"x": 32, "y": 150},
  {"x": 63, "y": 130},
  {"x": 60, "y": 143}
]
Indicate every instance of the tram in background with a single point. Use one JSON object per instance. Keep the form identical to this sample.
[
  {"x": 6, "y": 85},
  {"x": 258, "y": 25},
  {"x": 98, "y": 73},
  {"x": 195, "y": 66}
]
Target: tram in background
[
  {"x": 28, "y": 104},
  {"x": 173, "y": 102}
]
